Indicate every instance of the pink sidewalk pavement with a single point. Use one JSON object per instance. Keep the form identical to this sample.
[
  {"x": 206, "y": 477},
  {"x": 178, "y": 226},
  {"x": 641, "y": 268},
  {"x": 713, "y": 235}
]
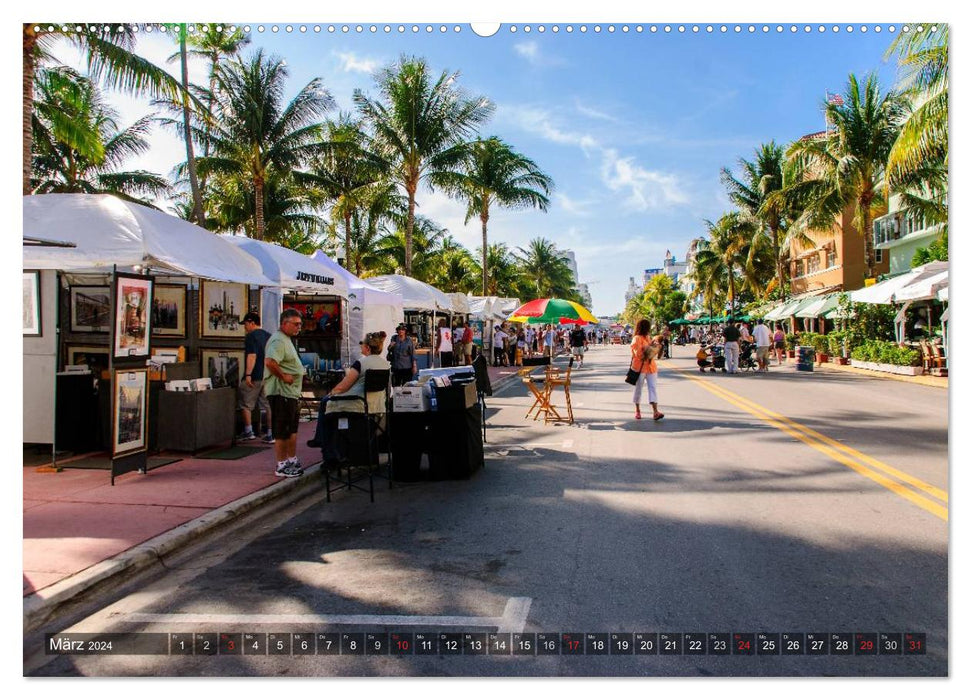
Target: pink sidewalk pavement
[{"x": 75, "y": 519}]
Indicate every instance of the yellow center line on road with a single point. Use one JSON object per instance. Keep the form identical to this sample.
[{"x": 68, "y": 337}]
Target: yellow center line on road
[{"x": 847, "y": 456}]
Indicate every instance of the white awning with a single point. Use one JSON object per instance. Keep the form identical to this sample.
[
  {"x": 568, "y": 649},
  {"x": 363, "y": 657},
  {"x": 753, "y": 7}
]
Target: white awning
[
  {"x": 108, "y": 231},
  {"x": 883, "y": 292},
  {"x": 818, "y": 307},
  {"x": 942, "y": 294},
  {"x": 922, "y": 289},
  {"x": 290, "y": 270},
  {"x": 415, "y": 294}
]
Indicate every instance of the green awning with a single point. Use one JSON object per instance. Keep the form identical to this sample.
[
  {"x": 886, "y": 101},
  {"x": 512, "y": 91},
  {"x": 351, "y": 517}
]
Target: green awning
[{"x": 818, "y": 307}]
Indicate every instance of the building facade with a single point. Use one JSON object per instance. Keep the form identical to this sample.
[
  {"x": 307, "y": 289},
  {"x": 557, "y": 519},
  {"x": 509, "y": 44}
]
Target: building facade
[{"x": 898, "y": 234}]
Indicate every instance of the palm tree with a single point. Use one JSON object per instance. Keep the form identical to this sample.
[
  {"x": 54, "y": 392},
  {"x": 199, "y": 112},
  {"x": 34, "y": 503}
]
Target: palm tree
[
  {"x": 427, "y": 242},
  {"x": 198, "y": 212},
  {"x": 918, "y": 162},
  {"x": 547, "y": 269},
  {"x": 347, "y": 173},
  {"x": 847, "y": 165},
  {"x": 506, "y": 278},
  {"x": 421, "y": 126},
  {"x": 59, "y": 166},
  {"x": 722, "y": 258},
  {"x": 494, "y": 174},
  {"x": 760, "y": 197},
  {"x": 108, "y": 49},
  {"x": 255, "y": 136}
]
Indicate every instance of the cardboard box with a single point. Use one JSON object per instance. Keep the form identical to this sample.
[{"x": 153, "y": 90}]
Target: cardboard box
[
  {"x": 409, "y": 399},
  {"x": 456, "y": 397}
]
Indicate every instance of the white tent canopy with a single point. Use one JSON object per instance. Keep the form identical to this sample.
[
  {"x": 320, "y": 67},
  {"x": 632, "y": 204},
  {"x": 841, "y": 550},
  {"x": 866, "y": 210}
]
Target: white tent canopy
[
  {"x": 507, "y": 305},
  {"x": 369, "y": 308},
  {"x": 108, "y": 231},
  {"x": 883, "y": 292},
  {"x": 460, "y": 302},
  {"x": 415, "y": 294},
  {"x": 290, "y": 270},
  {"x": 485, "y": 308}
]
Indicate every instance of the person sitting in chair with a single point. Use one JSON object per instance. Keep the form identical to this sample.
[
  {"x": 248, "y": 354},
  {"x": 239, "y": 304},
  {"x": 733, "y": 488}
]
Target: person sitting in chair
[{"x": 351, "y": 385}]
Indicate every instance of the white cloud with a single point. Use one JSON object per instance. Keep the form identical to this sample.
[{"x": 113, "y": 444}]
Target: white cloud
[
  {"x": 646, "y": 189},
  {"x": 540, "y": 122},
  {"x": 594, "y": 113},
  {"x": 577, "y": 207},
  {"x": 352, "y": 63},
  {"x": 528, "y": 50}
]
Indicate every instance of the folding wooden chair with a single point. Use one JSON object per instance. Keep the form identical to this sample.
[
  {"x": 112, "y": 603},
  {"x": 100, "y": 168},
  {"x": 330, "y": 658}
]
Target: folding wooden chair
[
  {"x": 938, "y": 361},
  {"x": 555, "y": 379},
  {"x": 541, "y": 396}
]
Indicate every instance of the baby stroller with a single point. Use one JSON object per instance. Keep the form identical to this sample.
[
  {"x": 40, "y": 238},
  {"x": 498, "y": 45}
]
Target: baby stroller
[
  {"x": 746, "y": 359},
  {"x": 718, "y": 358}
]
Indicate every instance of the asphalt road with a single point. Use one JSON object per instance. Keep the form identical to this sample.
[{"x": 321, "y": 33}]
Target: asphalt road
[{"x": 788, "y": 502}]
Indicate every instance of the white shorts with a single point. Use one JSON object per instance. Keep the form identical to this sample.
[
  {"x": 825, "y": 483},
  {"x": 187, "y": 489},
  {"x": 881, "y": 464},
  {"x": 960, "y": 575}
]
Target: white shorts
[{"x": 578, "y": 350}]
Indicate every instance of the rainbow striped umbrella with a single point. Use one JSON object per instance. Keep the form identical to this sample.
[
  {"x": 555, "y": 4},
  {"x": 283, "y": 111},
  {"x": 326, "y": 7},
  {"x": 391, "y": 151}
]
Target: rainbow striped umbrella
[{"x": 552, "y": 311}]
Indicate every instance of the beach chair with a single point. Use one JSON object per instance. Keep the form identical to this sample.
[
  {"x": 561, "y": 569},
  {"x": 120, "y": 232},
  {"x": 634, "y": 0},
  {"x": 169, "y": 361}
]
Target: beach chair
[{"x": 541, "y": 397}]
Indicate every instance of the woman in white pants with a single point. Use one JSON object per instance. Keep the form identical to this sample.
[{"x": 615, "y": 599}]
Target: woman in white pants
[{"x": 643, "y": 351}]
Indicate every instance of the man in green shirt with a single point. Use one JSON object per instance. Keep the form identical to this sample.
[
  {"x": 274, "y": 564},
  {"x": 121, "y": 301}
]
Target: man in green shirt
[{"x": 283, "y": 385}]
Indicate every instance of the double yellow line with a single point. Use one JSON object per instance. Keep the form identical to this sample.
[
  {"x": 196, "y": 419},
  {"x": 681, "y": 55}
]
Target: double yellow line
[{"x": 905, "y": 486}]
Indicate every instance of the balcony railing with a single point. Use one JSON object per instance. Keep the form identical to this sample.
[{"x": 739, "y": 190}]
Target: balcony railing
[{"x": 897, "y": 225}]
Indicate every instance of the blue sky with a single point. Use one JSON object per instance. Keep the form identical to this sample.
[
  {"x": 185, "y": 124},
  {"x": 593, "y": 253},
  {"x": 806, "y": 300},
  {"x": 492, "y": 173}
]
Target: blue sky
[{"x": 633, "y": 127}]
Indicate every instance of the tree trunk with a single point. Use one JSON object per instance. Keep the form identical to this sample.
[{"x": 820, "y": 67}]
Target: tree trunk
[
  {"x": 868, "y": 252},
  {"x": 198, "y": 213},
  {"x": 412, "y": 187},
  {"x": 485, "y": 251},
  {"x": 30, "y": 66},
  {"x": 780, "y": 268},
  {"x": 347, "y": 239},
  {"x": 260, "y": 223}
]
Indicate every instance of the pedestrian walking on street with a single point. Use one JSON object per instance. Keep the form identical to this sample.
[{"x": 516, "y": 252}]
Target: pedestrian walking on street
[
  {"x": 763, "y": 343},
  {"x": 779, "y": 343},
  {"x": 731, "y": 334},
  {"x": 644, "y": 350},
  {"x": 578, "y": 344},
  {"x": 284, "y": 384}
]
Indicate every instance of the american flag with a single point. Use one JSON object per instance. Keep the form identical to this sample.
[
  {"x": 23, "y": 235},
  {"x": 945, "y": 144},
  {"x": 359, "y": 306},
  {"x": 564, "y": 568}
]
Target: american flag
[{"x": 835, "y": 99}]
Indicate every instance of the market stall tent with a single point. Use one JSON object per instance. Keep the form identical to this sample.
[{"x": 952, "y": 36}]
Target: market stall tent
[
  {"x": 369, "y": 308},
  {"x": 415, "y": 294},
  {"x": 291, "y": 272},
  {"x": 883, "y": 292}
]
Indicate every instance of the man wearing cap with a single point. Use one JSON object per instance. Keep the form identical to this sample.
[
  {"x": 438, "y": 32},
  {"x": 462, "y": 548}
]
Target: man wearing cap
[
  {"x": 251, "y": 393},
  {"x": 401, "y": 353},
  {"x": 284, "y": 384}
]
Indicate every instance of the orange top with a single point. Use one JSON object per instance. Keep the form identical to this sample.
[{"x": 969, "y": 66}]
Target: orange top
[{"x": 637, "y": 348}]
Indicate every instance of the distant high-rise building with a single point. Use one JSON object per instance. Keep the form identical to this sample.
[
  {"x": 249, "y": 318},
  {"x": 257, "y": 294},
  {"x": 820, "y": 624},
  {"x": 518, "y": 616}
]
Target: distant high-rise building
[{"x": 632, "y": 291}]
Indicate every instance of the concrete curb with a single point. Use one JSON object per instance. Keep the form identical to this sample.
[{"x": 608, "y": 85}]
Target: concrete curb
[
  {"x": 936, "y": 382},
  {"x": 44, "y": 605}
]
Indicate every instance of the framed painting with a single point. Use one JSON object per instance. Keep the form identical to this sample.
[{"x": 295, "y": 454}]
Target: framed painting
[
  {"x": 129, "y": 412},
  {"x": 32, "y": 303},
  {"x": 94, "y": 356},
  {"x": 223, "y": 367},
  {"x": 169, "y": 310},
  {"x": 133, "y": 318},
  {"x": 90, "y": 309},
  {"x": 222, "y": 306}
]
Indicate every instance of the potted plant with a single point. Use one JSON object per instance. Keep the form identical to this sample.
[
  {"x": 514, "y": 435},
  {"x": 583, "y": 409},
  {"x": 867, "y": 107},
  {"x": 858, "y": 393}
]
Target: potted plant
[
  {"x": 820, "y": 344},
  {"x": 835, "y": 343},
  {"x": 792, "y": 340}
]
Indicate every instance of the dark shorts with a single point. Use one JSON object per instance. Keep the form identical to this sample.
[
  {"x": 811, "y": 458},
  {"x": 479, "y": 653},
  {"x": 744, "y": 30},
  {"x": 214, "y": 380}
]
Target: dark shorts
[
  {"x": 780, "y": 345},
  {"x": 286, "y": 416}
]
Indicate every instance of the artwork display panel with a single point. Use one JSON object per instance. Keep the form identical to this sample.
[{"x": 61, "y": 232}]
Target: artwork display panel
[
  {"x": 90, "y": 309},
  {"x": 133, "y": 318},
  {"x": 31, "y": 307},
  {"x": 222, "y": 306},
  {"x": 319, "y": 317},
  {"x": 129, "y": 412},
  {"x": 223, "y": 367},
  {"x": 169, "y": 310}
]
